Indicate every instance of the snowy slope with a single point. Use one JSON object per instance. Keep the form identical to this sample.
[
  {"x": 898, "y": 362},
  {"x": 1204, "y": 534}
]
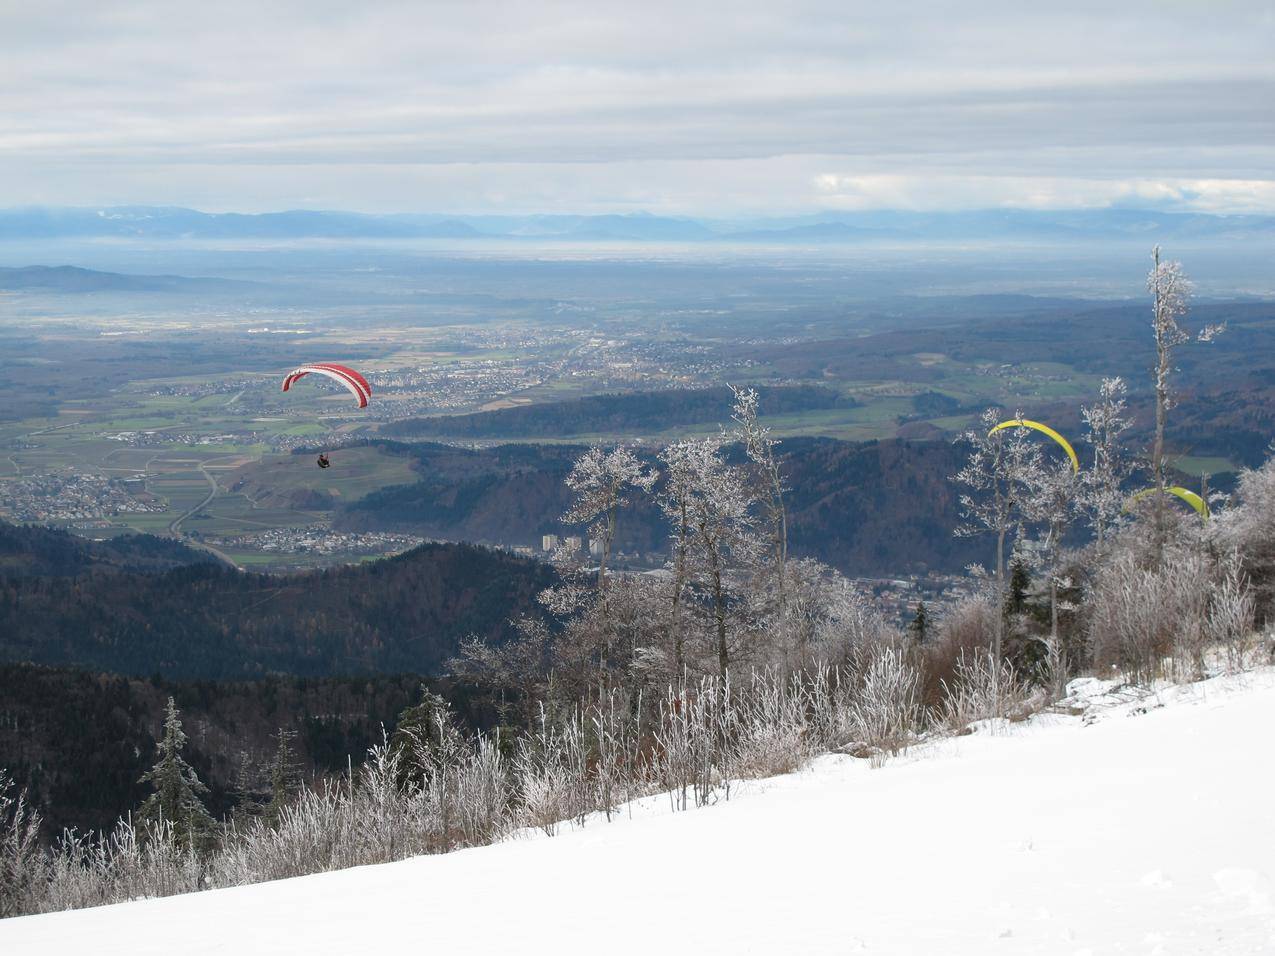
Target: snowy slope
[{"x": 1150, "y": 829}]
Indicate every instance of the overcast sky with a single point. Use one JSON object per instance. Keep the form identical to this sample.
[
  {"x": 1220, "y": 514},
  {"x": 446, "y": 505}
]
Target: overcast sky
[{"x": 725, "y": 108}]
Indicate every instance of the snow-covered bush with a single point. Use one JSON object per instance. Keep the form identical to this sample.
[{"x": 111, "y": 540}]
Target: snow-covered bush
[
  {"x": 1247, "y": 530},
  {"x": 550, "y": 773},
  {"x": 887, "y": 709},
  {"x": 770, "y": 728},
  {"x": 1232, "y": 607},
  {"x": 118, "y": 866},
  {"x": 21, "y": 862},
  {"x": 1144, "y": 617},
  {"x": 979, "y": 690}
]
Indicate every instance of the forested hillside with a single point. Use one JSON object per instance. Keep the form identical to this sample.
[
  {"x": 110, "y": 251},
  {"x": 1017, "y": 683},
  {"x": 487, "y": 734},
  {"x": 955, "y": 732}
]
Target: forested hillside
[
  {"x": 865, "y": 508},
  {"x": 403, "y": 614},
  {"x": 30, "y": 550}
]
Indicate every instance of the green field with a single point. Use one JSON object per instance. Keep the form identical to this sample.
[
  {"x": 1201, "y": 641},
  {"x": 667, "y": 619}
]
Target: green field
[{"x": 1198, "y": 466}]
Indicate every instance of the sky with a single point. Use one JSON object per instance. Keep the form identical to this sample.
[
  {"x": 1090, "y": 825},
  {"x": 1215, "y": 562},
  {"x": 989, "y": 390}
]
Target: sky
[{"x": 721, "y": 109}]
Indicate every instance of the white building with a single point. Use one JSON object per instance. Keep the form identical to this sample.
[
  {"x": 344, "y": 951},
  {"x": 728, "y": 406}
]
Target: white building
[{"x": 548, "y": 542}]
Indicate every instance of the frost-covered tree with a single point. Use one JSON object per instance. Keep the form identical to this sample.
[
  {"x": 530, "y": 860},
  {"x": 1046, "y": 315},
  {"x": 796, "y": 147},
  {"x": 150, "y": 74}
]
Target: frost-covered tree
[
  {"x": 760, "y": 448},
  {"x": 827, "y": 620},
  {"x": 516, "y": 671},
  {"x": 1000, "y": 472},
  {"x": 1053, "y": 505},
  {"x": 677, "y": 501},
  {"x": 710, "y": 504},
  {"x": 426, "y": 735},
  {"x": 1171, "y": 294},
  {"x": 1106, "y": 422},
  {"x": 177, "y": 788},
  {"x": 601, "y": 481}
]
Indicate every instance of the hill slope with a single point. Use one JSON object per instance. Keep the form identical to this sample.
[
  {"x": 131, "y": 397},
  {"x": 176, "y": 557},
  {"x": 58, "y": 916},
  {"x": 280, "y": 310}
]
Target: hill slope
[
  {"x": 75, "y": 279},
  {"x": 1059, "y": 838},
  {"x": 33, "y": 551},
  {"x": 865, "y": 508},
  {"x": 403, "y": 614}
]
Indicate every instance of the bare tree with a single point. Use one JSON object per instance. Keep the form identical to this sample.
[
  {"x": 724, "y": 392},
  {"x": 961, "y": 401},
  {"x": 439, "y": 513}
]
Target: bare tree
[
  {"x": 1053, "y": 504},
  {"x": 999, "y": 474},
  {"x": 601, "y": 481},
  {"x": 711, "y": 505},
  {"x": 761, "y": 452},
  {"x": 677, "y": 500},
  {"x": 1106, "y": 422},
  {"x": 520, "y": 666},
  {"x": 1171, "y": 294}
]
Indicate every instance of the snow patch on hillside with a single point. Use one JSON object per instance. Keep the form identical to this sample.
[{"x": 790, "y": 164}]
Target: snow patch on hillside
[{"x": 1122, "y": 821}]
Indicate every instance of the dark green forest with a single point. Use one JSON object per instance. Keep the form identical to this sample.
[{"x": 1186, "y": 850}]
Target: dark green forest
[
  {"x": 32, "y": 551},
  {"x": 404, "y": 614},
  {"x": 81, "y": 740}
]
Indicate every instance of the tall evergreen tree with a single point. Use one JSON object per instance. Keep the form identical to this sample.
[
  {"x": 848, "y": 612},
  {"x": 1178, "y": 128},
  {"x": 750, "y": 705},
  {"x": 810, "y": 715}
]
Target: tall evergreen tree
[
  {"x": 246, "y": 790},
  {"x": 1019, "y": 583},
  {"x": 920, "y": 626},
  {"x": 285, "y": 775},
  {"x": 426, "y": 735},
  {"x": 176, "y": 800}
]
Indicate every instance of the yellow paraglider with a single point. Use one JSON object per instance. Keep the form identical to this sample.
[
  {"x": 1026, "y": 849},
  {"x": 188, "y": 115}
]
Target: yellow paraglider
[
  {"x": 1186, "y": 494},
  {"x": 1046, "y": 430}
]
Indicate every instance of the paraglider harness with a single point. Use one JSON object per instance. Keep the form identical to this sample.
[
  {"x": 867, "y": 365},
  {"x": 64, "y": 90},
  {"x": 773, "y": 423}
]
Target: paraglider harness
[{"x": 323, "y": 460}]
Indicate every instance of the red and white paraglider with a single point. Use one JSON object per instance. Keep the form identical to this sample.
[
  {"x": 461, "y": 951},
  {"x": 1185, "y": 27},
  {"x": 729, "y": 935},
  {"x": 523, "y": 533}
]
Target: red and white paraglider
[
  {"x": 355, "y": 383},
  {"x": 351, "y": 379}
]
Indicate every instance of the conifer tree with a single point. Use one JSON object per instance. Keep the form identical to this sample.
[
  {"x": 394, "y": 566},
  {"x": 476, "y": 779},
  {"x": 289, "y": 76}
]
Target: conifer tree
[
  {"x": 176, "y": 800},
  {"x": 1019, "y": 582},
  {"x": 920, "y": 626},
  {"x": 426, "y": 736},
  {"x": 285, "y": 775},
  {"x": 246, "y": 791}
]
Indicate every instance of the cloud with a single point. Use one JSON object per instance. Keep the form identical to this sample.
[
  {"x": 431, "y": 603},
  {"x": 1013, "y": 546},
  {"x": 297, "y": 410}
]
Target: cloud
[
  {"x": 708, "y": 107},
  {"x": 1044, "y": 192}
]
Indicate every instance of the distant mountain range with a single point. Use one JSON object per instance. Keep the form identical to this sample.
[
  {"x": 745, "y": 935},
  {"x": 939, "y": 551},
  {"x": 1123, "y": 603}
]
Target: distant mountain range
[{"x": 166, "y": 222}]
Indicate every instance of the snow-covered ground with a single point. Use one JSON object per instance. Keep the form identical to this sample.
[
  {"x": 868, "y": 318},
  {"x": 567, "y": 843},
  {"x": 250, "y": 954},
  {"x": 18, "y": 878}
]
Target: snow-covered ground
[{"x": 1147, "y": 826}]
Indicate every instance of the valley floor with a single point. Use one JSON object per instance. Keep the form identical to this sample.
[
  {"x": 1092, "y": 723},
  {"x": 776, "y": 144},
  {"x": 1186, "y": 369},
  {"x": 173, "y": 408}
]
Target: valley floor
[{"x": 1146, "y": 827}]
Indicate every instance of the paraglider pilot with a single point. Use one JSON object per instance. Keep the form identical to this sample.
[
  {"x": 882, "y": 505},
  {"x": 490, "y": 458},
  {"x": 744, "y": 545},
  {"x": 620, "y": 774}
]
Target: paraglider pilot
[{"x": 323, "y": 460}]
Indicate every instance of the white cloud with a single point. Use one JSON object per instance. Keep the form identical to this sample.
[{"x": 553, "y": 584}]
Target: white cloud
[
  {"x": 1041, "y": 192},
  {"x": 699, "y": 107}
]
